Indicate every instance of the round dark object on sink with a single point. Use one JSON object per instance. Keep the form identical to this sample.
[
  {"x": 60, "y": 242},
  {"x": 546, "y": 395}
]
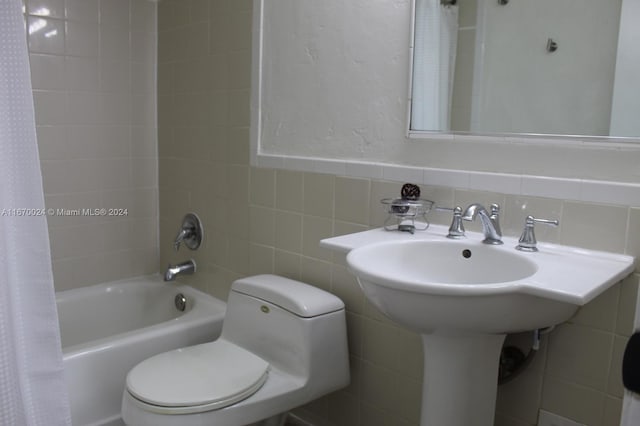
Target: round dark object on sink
[
  {"x": 466, "y": 253},
  {"x": 410, "y": 191}
]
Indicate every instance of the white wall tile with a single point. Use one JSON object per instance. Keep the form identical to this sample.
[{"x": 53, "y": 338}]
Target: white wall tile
[
  {"x": 335, "y": 167},
  {"x": 610, "y": 192},
  {"x": 556, "y": 188},
  {"x": 115, "y": 76},
  {"x": 82, "y": 10},
  {"x": 114, "y": 43},
  {"x": 143, "y": 77},
  {"x": 403, "y": 174},
  {"x": 47, "y": 72},
  {"x": 143, "y": 47},
  {"x": 50, "y": 107},
  {"x": 46, "y": 35},
  {"x": 365, "y": 170},
  {"x": 143, "y": 16},
  {"x": 450, "y": 178},
  {"x": 115, "y": 13},
  {"x": 47, "y": 8},
  {"x": 495, "y": 182},
  {"x": 81, "y": 74},
  {"x": 83, "y": 108},
  {"x": 82, "y": 39}
]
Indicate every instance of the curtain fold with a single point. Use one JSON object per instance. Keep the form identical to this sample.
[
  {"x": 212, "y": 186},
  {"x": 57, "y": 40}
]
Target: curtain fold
[
  {"x": 32, "y": 386},
  {"x": 434, "y": 57}
]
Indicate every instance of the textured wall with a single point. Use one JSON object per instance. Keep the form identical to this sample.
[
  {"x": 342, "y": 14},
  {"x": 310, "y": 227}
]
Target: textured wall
[{"x": 93, "y": 75}]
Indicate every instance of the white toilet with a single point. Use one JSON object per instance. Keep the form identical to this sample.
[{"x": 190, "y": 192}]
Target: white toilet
[{"x": 283, "y": 344}]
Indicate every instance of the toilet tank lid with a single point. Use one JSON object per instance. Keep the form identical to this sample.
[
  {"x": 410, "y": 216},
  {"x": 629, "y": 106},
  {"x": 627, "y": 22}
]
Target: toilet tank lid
[{"x": 298, "y": 298}]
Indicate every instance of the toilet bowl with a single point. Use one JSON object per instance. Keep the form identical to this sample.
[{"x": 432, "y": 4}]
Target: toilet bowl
[{"x": 283, "y": 344}]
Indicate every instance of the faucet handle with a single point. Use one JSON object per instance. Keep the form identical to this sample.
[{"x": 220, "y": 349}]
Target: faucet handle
[
  {"x": 184, "y": 233},
  {"x": 527, "y": 241},
  {"x": 190, "y": 233},
  {"x": 456, "y": 230}
]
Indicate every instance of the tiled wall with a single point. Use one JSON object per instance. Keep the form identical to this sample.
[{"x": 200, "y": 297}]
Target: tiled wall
[
  {"x": 270, "y": 221},
  {"x": 93, "y": 69},
  {"x": 204, "y": 56}
]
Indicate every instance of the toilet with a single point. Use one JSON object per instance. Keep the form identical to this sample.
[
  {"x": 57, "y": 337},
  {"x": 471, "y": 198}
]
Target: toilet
[{"x": 283, "y": 344}]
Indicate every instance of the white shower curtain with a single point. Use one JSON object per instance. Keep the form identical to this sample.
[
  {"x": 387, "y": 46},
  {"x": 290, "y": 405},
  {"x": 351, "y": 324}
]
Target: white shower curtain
[
  {"x": 32, "y": 387},
  {"x": 434, "y": 58}
]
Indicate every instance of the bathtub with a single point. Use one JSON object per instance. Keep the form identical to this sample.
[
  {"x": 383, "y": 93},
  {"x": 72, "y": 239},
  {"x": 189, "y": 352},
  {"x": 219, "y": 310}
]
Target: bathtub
[{"x": 106, "y": 329}]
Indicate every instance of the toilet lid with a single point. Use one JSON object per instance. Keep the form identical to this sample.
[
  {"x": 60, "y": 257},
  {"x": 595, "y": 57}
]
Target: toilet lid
[{"x": 197, "y": 378}]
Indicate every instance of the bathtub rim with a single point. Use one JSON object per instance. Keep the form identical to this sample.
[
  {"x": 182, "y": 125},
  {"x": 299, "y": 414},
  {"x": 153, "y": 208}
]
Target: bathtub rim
[{"x": 196, "y": 316}]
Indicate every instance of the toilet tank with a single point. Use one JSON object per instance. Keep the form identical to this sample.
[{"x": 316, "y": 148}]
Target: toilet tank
[{"x": 296, "y": 327}]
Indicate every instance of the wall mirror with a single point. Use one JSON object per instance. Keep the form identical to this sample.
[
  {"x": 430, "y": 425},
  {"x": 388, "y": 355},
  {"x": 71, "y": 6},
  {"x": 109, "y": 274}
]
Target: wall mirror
[{"x": 559, "y": 67}]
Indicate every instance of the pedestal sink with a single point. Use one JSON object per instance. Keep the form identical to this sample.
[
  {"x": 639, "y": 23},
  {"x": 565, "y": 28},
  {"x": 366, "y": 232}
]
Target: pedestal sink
[{"x": 463, "y": 297}]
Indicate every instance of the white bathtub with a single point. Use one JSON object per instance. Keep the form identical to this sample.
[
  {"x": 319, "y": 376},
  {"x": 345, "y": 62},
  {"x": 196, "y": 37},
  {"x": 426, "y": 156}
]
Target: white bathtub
[{"x": 106, "y": 329}]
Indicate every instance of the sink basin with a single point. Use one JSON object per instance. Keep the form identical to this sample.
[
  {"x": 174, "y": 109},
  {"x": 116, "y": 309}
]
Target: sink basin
[
  {"x": 413, "y": 264},
  {"x": 463, "y": 297},
  {"x": 454, "y": 285}
]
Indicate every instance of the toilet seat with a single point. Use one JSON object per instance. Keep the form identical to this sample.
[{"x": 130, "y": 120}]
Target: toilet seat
[{"x": 198, "y": 378}]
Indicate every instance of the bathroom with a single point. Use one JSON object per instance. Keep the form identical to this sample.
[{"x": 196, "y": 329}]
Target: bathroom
[{"x": 109, "y": 137}]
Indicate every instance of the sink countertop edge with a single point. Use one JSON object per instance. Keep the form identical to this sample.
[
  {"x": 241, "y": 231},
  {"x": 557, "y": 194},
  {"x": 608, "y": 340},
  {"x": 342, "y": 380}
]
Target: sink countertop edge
[{"x": 535, "y": 287}]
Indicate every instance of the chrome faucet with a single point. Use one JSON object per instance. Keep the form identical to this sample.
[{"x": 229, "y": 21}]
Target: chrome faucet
[
  {"x": 184, "y": 268},
  {"x": 490, "y": 222}
]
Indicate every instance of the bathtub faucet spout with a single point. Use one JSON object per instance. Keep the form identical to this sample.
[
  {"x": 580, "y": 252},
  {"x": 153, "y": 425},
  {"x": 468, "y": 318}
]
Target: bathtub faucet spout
[{"x": 184, "y": 268}]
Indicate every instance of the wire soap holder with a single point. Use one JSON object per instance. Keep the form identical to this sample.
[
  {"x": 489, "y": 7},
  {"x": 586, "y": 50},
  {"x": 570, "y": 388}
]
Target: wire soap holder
[{"x": 408, "y": 213}]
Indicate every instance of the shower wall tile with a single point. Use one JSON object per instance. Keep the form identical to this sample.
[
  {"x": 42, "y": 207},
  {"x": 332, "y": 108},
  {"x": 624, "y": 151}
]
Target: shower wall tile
[
  {"x": 82, "y": 10},
  {"x": 82, "y": 39},
  {"x": 81, "y": 73},
  {"x": 114, "y": 43},
  {"x": 143, "y": 16},
  {"x": 50, "y": 107},
  {"x": 50, "y": 8},
  {"x": 115, "y": 76},
  {"x": 115, "y": 13},
  {"x": 97, "y": 137},
  {"x": 141, "y": 82},
  {"x": 47, "y": 72},
  {"x": 46, "y": 35},
  {"x": 267, "y": 220}
]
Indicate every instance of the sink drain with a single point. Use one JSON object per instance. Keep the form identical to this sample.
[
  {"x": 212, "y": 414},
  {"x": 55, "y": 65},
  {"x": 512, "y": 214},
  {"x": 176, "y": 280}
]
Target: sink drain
[{"x": 466, "y": 253}]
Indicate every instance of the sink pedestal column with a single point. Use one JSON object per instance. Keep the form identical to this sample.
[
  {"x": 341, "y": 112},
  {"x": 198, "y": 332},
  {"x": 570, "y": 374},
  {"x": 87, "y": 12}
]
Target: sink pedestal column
[{"x": 460, "y": 379}]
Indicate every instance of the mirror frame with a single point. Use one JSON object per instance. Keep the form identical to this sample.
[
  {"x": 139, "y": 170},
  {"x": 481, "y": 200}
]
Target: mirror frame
[{"x": 533, "y": 137}]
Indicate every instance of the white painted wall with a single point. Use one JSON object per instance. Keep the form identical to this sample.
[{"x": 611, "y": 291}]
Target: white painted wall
[
  {"x": 334, "y": 85},
  {"x": 331, "y": 76}
]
